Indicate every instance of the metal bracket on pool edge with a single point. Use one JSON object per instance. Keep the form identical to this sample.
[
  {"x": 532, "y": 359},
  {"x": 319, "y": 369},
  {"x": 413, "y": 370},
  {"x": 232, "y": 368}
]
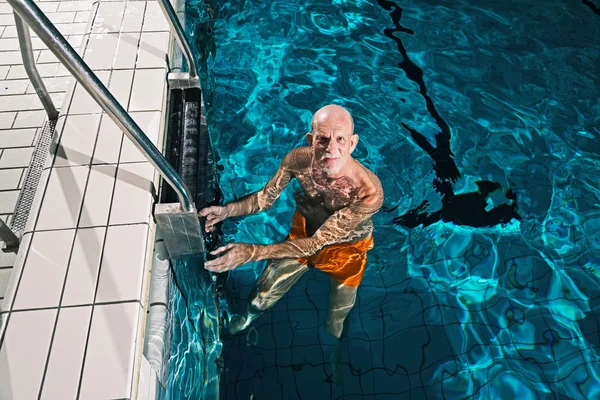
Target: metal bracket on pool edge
[
  {"x": 182, "y": 80},
  {"x": 180, "y": 230}
]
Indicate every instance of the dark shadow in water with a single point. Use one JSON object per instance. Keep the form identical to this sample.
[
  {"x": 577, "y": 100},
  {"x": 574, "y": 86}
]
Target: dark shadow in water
[
  {"x": 464, "y": 209},
  {"x": 591, "y": 5}
]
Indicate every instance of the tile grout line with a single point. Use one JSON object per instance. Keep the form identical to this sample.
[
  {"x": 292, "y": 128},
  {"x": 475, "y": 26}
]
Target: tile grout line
[
  {"x": 58, "y": 136},
  {"x": 137, "y": 54},
  {"x": 22, "y": 178},
  {"x": 147, "y": 252},
  {"x": 86, "y": 227},
  {"x": 11, "y": 190},
  {"x": 60, "y": 307},
  {"x": 97, "y": 283},
  {"x": 93, "y": 164},
  {"x": 137, "y": 333},
  {"x": 81, "y": 207},
  {"x": 74, "y": 235},
  {"x": 13, "y": 168},
  {"x": 139, "y": 46},
  {"x": 12, "y": 303},
  {"x": 11, "y": 95},
  {"x": 81, "y": 212},
  {"x": 68, "y": 75},
  {"x": 50, "y": 170},
  {"x": 103, "y": 245},
  {"x": 18, "y": 147},
  {"x": 36, "y": 136},
  {"x": 15, "y": 117},
  {"x": 140, "y": 329}
]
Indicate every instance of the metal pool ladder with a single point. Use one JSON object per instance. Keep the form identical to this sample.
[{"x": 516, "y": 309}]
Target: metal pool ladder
[{"x": 178, "y": 222}]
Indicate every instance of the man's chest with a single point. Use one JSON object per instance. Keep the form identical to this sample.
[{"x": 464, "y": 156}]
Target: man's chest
[{"x": 332, "y": 196}]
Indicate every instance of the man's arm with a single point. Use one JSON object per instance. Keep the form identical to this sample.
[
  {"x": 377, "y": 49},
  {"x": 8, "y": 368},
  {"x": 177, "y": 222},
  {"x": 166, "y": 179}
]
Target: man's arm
[
  {"x": 257, "y": 201},
  {"x": 342, "y": 226},
  {"x": 264, "y": 198}
]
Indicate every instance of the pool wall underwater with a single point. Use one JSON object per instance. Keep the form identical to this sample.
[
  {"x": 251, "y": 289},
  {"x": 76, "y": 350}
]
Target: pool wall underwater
[{"x": 481, "y": 120}]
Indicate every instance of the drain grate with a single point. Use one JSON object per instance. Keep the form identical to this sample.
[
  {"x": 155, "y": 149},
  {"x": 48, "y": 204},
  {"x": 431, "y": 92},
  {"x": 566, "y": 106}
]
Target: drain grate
[{"x": 32, "y": 179}]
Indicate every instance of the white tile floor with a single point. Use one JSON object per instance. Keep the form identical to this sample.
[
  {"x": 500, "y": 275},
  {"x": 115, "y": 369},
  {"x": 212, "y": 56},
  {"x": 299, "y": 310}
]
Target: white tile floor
[
  {"x": 74, "y": 307},
  {"x": 19, "y": 105}
]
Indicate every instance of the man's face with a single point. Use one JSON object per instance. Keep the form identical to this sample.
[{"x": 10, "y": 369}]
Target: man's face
[{"x": 332, "y": 143}]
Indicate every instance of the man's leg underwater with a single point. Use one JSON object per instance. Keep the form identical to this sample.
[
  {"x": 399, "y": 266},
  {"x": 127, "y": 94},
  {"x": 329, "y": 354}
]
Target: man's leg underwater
[
  {"x": 276, "y": 280},
  {"x": 341, "y": 301}
]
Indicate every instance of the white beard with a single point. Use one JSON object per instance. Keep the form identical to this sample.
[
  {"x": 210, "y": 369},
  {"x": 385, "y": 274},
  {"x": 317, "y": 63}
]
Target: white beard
[{"x": 333, "y": 170}]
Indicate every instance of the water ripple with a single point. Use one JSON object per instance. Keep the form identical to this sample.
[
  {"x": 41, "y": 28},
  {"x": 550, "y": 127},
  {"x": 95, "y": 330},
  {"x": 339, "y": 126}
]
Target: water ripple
[{"x": 494, "y": 105}]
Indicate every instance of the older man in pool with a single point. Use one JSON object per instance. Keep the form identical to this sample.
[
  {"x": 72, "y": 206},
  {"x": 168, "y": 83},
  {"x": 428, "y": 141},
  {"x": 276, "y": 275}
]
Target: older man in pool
[{"x": 331, "y": 229}]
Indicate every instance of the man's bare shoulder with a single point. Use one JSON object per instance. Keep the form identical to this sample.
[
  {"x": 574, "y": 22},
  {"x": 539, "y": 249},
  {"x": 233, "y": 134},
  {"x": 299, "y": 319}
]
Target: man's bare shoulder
[
  {"x": 371, "y": 189},
  {"x": 299, "y": 158}
]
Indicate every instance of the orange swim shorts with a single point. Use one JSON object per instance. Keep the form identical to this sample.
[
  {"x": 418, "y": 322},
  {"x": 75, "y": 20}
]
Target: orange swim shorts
[{"x": 344, "y": 262}]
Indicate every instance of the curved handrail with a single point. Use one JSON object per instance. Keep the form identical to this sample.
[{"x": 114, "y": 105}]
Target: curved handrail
[
  {"x": 32, "y": 72},
  {"x": 180, "y": 35},
  {"x": 47, "y": 32}
]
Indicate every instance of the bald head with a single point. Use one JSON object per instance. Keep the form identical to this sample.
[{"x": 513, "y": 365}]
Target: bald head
[
  {"x": 333, "y": 114},
  {"x": 332, "y": 140}
]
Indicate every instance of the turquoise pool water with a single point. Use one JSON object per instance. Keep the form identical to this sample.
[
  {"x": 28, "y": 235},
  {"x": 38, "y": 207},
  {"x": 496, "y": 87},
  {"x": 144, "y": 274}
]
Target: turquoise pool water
[
  {"x": 195, "y": 345},
  {"x": 482, "y": 120}
]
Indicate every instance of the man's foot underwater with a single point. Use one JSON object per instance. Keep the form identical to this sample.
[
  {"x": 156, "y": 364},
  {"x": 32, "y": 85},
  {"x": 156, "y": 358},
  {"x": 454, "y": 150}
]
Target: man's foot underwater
[
  {"x": 237, "y": 323},
  {"x": 336, "y": 356},
  {"x": 336, "y": 364}
]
